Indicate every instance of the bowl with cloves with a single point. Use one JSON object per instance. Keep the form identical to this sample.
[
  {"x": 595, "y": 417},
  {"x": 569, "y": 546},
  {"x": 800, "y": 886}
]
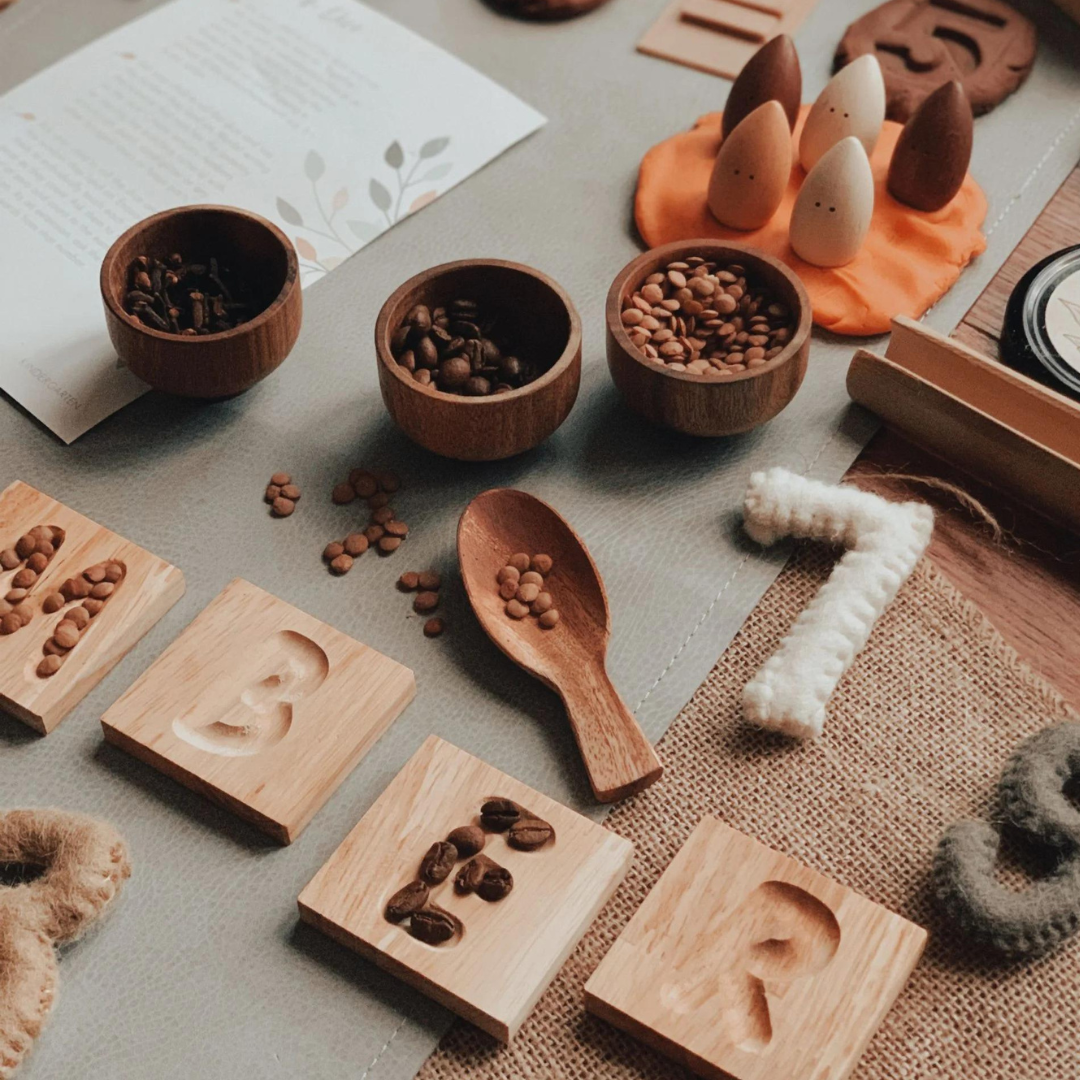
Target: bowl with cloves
[
  {"x": 479, "y": 359},
  {"x": 202, "y": 301}
]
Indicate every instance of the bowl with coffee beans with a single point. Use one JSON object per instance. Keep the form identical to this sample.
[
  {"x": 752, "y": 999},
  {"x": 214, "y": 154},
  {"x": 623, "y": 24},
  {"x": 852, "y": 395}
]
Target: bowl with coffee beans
[
  {"x": 202, "y": 301},
  {"x": 479, "y": 359},
  {"x": 707, "y": 338}
]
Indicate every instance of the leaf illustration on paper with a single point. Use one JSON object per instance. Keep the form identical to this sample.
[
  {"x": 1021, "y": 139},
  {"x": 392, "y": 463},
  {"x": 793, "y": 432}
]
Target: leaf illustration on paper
[
  {"x": 306, "y": 249},
  {"x": 379, "y": 195},
  {"x": 438, "y": 172},
  {"x": 434, "y": 147},
  {"x": 332, "y": 262},
  {"x": 314, "y": 166},
  {"x": 394, "y": 156},
  {"x": 288, "y": 212},
  {"x": 341, "y": 197},
  {"x": 364, "y": 230},
  {"x": 423, "y": 200}
]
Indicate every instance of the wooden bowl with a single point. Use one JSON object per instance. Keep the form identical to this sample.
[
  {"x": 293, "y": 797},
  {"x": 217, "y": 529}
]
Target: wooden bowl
[
  {"x": 545, "y": 328},
  {"x": 702, "y": 404},
  {"x": 213, "y": 365}
]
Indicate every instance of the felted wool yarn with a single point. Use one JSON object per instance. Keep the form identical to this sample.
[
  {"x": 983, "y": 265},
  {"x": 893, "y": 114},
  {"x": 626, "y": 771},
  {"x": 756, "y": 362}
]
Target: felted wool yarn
[
  {"x": 85, "y": 863},
  {"x": 1033, "y": 799}
]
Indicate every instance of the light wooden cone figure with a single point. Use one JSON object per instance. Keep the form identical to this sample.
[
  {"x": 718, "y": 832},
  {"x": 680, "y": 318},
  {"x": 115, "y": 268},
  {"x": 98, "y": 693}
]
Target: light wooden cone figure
[
  {"x": 832, "y": 213},
  {"x": 853, "y": 103},
  {"x": 752, "y": 169}
]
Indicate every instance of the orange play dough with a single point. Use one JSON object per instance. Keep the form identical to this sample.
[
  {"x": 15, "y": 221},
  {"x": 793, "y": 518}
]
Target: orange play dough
[{"x": 909, "y": 261}]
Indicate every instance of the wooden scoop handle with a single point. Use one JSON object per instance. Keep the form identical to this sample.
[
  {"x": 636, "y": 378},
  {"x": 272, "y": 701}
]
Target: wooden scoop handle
[{"x": 619, "y": 759}]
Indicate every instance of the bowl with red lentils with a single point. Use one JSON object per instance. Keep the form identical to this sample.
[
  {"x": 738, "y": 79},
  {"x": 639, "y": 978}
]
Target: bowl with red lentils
[{"x": 707, "y": 338}]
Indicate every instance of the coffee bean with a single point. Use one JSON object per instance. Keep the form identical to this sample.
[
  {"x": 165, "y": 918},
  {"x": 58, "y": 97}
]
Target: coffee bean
[
  {"x": 471, "y": 874},
  {"x": 434, "y": 627},
  {"x": 271, "y": 493},
  {"x": 356, "y": 544},
  {"x": 425, "y": 601},
  {"x": 341, "y": 564},
  {"x": 528, "y": 834},
  {"x": 427, "y": 356},
  {"x": 436, "y": 865},
  {"x": 396, "y": 528},
  {"x": 389, "y": 544},
  {"x": 332, "y": 550},
  {"x": 432, "y": 927},
  {"x": 419, "y": 318},
  {"x": 454, "y": 373},
  {"x": 374, "y": 533},
  {"x": 430, "y": 580},
  {"x": 343, "y": 493},
  {"x": 382, "y": 515},
  {"x": 281, "y": 479},
  {"x": 497, "y": 815},
  {"x": 406, "y": 901},
  {"x": 495, "y": 884},
  {"x": 477, "y": 386},
  {"x": 468, "y": 839},
  {"x": 363, "y": 483},
  {"x": 50, "y": 665},
  {"x": 408, "y": 581},
  {"x": 282, "y": 507}
]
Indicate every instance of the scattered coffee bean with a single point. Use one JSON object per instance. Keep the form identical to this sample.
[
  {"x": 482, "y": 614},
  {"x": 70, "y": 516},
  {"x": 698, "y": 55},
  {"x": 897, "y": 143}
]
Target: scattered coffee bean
[
  {"x": 701, "y": 318},
  {"x": 282, "y": 507},
  {"x": 432, "y": 927},
  {"x": 408, "y": 581},
  {"x": 374, "y": 533},
  {"x": 356, "y": 544},
  {"x": 378, "y": 501},
  {"x": 497, "y": 815},
  {"x": 389, "y": 481},
  {"x": 291, "y": 491},
  {"x": 425, "y": 601},
  {"x": 529, "y": 833},
  {"x": 452, "y": 349},
  {"x": 431, "y": 580},
  {"x": 397, "y": 528},
  {"x": 389, "y": 544},
  {"x": 282, "y": 494},
  {"x": 434, "y": 627},
  {"x": 383, "y": 515},
  {"x": 271, "y": 493},
  {"x": 281, "y": 479},
  {"x": 468, "y": 839},
  {"x": 343, "y": 494},
  {"x": 438, "y": 863},
  {"x": 495, "y": 884},
  {"x": 333, "y": 550},
  {"x": 406, "y": 901},
  {"x": 363, "y": 483},
  {"x": 342, "y": 564}
]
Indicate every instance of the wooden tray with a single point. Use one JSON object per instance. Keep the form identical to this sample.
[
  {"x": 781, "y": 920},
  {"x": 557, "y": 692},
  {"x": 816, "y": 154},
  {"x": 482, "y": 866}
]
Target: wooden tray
[
  {"x": 149, "y": 588},
  {"x": 977, "y": 414},
  {"x": 261, "y": 708},
  {"x": 719, "y": 36},
  {"x": 742, "y": 963},
  {"x": 508, "y": 951}
]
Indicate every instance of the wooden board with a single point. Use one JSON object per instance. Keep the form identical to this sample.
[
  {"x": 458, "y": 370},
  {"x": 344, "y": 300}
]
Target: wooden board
[
  {"x": 150, "y": 587},
  {"x": 743, "y": 963},
  {"x": 719, "y": 36},
  {"x": 261, "y": 708},
  {"x": 507, "y": 952},
  {"x": 988, "y": 419}
]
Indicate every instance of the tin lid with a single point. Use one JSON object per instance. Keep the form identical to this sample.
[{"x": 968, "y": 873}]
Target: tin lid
[{"x": 1050, "y": 316}]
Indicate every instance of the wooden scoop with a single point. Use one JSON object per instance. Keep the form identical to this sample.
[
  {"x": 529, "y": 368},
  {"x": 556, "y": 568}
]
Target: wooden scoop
[{"x": 570, "y": 658}]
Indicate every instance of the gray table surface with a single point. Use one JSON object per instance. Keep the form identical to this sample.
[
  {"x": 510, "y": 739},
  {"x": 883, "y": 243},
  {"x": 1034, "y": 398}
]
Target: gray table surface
[{"x": 202, "y": 969}]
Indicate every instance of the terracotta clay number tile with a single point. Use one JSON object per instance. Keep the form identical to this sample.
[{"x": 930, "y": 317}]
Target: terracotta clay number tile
[
  {"x": 744, "y": 964},
  {"x": 506, "y": 952},
  {"x": 148, "y": 588},
  {"x": 261, "y": 708}
]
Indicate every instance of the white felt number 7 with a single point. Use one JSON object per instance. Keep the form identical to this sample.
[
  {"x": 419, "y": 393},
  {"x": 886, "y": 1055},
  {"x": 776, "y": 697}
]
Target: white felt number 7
[{"x": 884, "y": 540}]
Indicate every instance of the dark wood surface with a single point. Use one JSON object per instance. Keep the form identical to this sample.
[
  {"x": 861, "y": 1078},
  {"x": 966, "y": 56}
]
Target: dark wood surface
[{"x": 1028, "y": 582}]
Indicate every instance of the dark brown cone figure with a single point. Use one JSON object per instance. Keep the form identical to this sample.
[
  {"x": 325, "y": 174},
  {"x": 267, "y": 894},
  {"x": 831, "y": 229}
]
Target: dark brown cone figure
[
  {"x": 934, "y": 150},
  {"x": 773, "y": 72}
]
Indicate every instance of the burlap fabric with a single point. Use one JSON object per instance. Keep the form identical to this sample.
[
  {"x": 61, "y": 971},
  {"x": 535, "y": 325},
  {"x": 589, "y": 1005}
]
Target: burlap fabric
[{"x": 917, "y": 733}]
